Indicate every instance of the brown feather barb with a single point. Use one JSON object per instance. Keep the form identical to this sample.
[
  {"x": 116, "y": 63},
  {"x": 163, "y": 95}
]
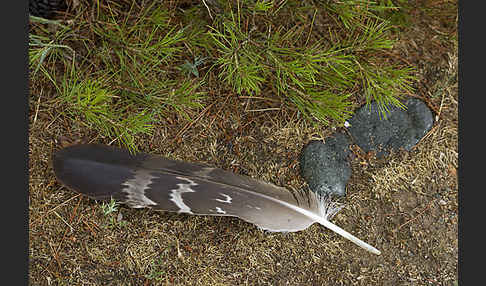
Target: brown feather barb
[{"x": 143, "y": 180}]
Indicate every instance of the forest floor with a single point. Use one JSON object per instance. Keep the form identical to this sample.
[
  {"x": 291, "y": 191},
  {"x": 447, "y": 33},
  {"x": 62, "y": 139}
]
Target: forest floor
[{"x": 406, "y": 205}]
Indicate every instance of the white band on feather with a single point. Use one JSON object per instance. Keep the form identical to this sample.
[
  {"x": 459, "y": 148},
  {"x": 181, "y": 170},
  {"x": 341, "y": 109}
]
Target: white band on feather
[
  {"x": 176, "y": 195},
  {"x": 135, "y": 189}
]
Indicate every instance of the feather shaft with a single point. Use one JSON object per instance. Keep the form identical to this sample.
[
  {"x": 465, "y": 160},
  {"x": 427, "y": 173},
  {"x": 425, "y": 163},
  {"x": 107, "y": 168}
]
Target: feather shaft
[
  {"x": 324, "y": 222},
  {"x": 335, "y": 228},
  {"x": 349, "y": 236}
]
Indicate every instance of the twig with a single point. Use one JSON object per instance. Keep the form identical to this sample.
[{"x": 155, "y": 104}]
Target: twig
[
  {"x": 56, "y": 257},
  {"x": 440, "y": 107},
  {"x": 209, "y": 11},
  {"x": 432, "y": 130},
  {"x": 50, "y": 123},
  {"x": 70, "y": 227},
  {"x": 89, "y": 227},
  {"x": 312, "y": 25},
  {"x": 414, "y": 218},
  {"x": 219, "y": 111},
  {"x": 63, "y": 237},
  {"x": 259, "y": 97},
  {"x": 263, "y": 109},
  {"x": 37, "y": 109},
  {"x": 193, "y": 121},
  {"x": 53, "y": 209}
]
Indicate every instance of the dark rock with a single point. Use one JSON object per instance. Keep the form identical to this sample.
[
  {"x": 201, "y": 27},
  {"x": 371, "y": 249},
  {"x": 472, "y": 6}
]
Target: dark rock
[
  {"x": 400, "y": 129},
  {"x": 325, "y": 166}
]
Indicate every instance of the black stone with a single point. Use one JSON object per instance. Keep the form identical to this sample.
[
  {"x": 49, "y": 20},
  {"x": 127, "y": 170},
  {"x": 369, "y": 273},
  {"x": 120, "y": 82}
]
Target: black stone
[
  {"x": 325, "y": 166},
  {"x": 400, "y": 129}
]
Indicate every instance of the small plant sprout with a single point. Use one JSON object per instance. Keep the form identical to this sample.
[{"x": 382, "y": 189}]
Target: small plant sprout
[
  {"x": 110, "y": 207},
  {"x": 191, "y": 68}
]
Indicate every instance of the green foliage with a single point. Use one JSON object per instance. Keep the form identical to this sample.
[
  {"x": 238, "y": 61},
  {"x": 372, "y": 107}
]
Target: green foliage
[
  {"x": 381, "y": 83},
  {"x": 263, "y": 5},
  {"x": 352, "y": 12},
  {"x": 316, "y": 74},
  {"x": 125, "y": 82},
  {"x": 238, "y": 60},
  {"x": 46, "y": 48},
  {"x": 95, "y": 103},
  {"x": 124, "y": 68},
  {"x": 157, "y": 271}
]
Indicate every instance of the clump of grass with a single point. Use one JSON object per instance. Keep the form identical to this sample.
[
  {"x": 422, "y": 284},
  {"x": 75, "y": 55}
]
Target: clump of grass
[
  {"x": 87, "y": 97},
  {"x": 247, "y": 63},
  {"x": 109, "y": 209},
  {"x": 96, "y": 104},
  {"x": 157, "y": 272},
  {"x": 140, "y": 59},
  {"x": 46, "y": 48},
  {"x": 122, "y": 80},
  {"x": 239, "y": 61},
  {"x": 317, "y": 74}
]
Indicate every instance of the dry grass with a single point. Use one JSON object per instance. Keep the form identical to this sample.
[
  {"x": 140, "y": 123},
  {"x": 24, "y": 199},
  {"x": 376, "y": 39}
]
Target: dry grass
[{"x": 406, "y": 205}]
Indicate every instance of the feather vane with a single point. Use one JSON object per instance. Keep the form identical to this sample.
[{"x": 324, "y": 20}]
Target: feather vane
[{"x": 148, "y": 181}]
